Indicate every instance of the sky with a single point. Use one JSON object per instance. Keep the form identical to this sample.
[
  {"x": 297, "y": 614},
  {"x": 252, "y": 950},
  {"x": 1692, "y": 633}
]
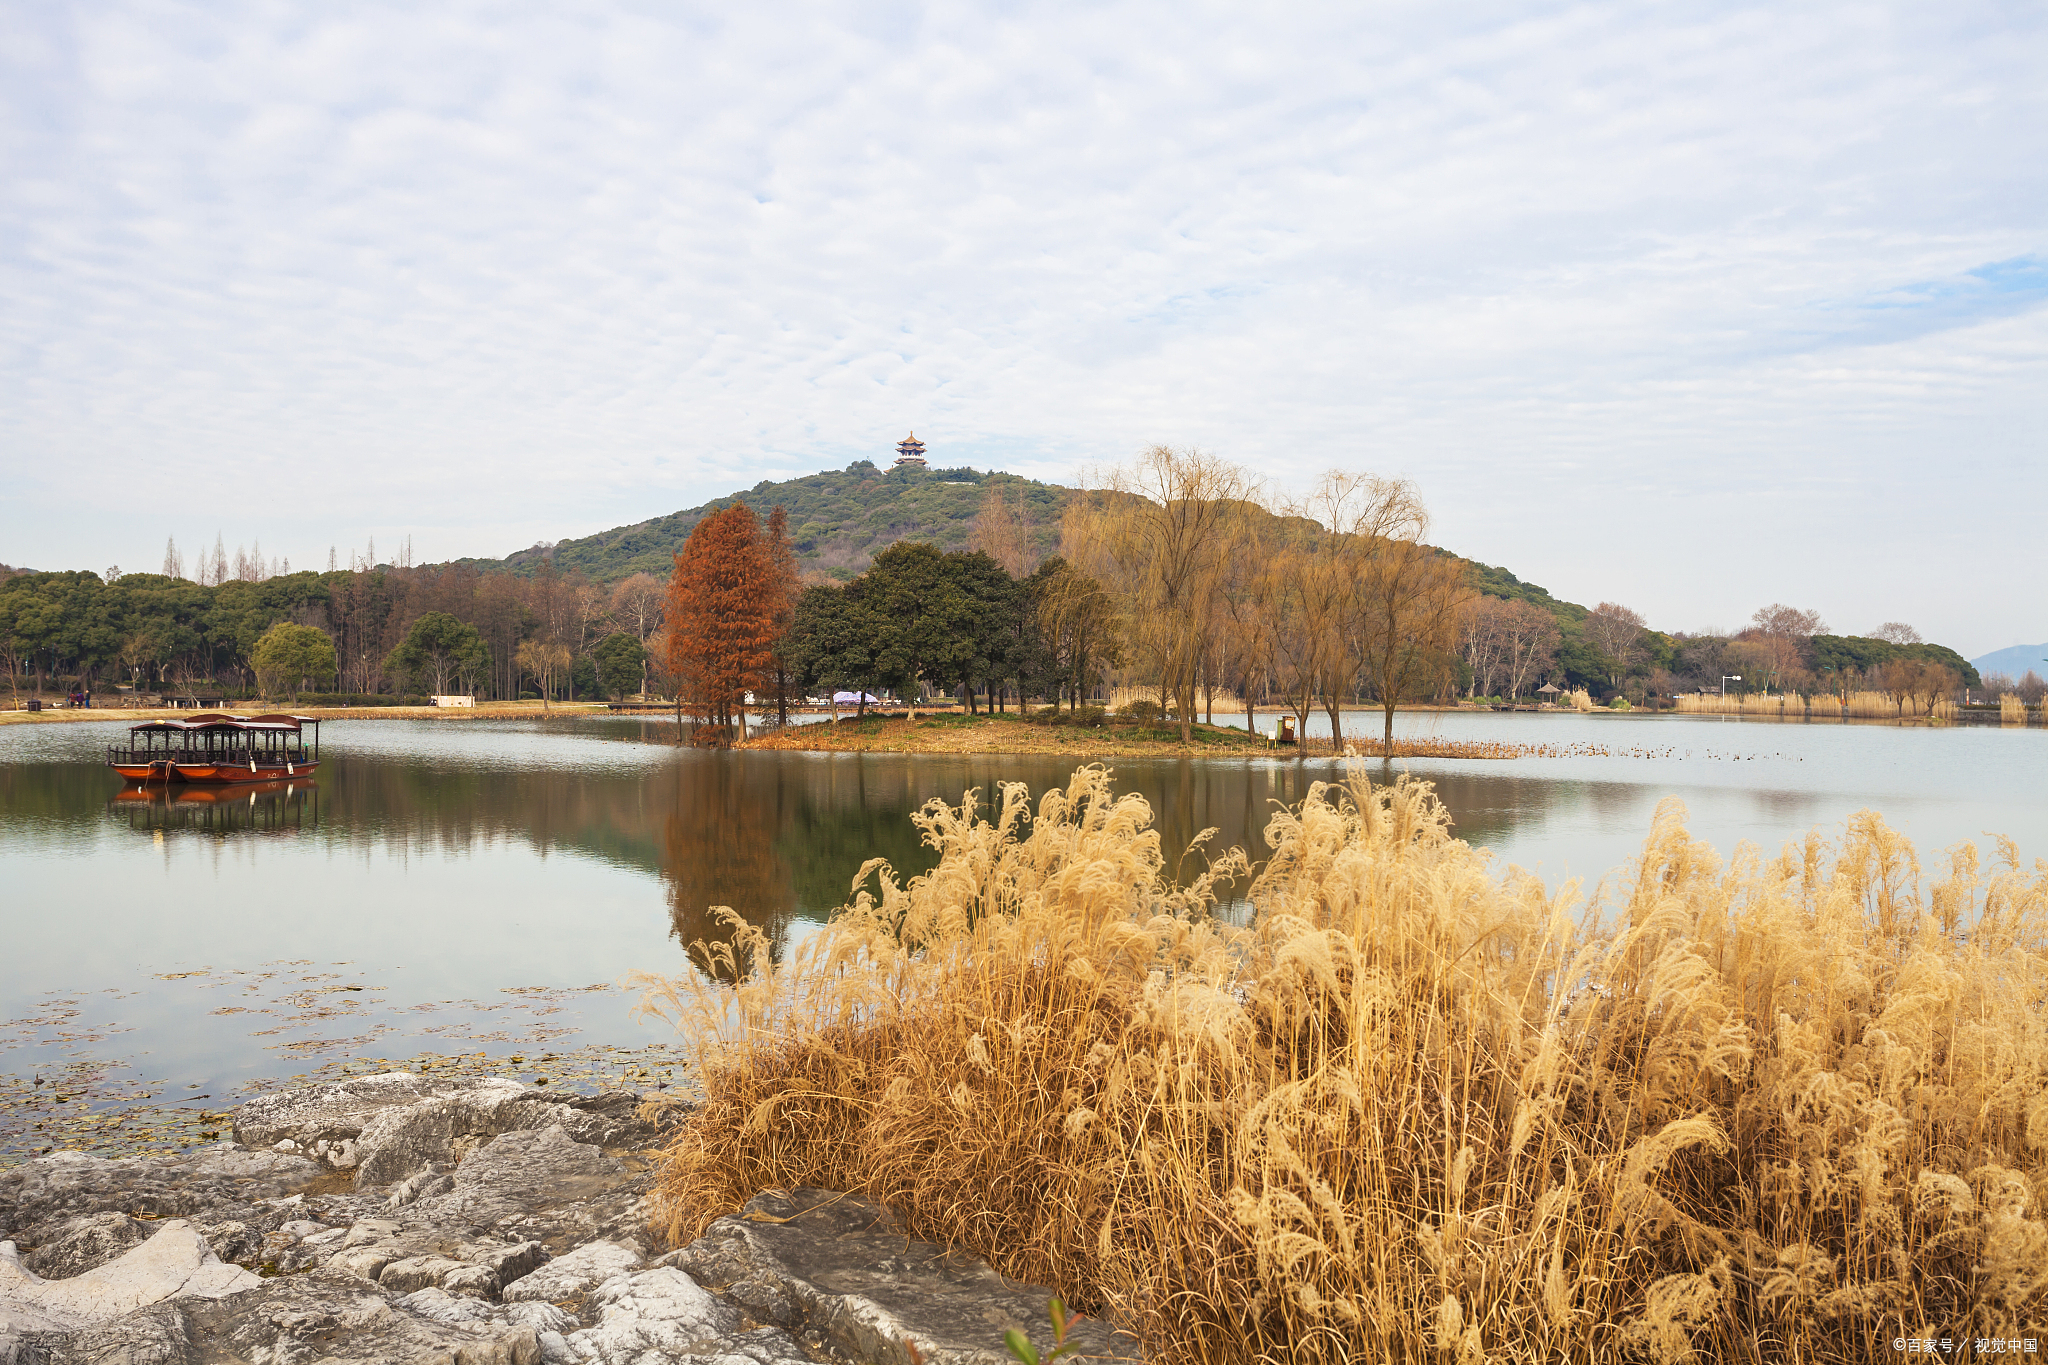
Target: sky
[{"x": 1691, "y": 307}]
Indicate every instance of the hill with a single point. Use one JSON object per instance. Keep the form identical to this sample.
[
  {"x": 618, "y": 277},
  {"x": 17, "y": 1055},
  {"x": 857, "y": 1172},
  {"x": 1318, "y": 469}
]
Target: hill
[
  {"x": 2016, "y": 661},
  {"x": 838, "y": 521}
]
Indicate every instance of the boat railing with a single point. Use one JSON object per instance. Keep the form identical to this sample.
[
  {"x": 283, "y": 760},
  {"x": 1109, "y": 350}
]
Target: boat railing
[{"x": 264, "y": 755}]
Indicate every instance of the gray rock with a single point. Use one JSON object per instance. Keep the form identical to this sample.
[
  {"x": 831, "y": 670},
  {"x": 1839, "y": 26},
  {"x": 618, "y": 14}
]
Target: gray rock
[
  {"x": 420, "y": 1185},
  {"x": 232, "y": 1240},
  {"x": 542, "y": 1187},
  {"x": 569, "y": 1277},
  {"x": 364, "y": 1263},
  {"x": 220, "y": 1181},
  {"x": 368, "y": 1231},
  {"x": 815, "y": 1262},
  {"x": 508, "y": 1263},
  {"x": 663, "y": 1317},
  {"x": 392, "y": 1125},
  {"x": 174, "y": 1263},
  {"x": 417, "y": 1272},
  {"x": 304, "y": 1319},
  {"x": 84, "y": 1243}
]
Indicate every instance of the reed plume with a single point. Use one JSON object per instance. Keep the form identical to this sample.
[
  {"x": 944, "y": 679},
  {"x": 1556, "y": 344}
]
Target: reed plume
[
  {"x": 2011, "y": 710},
  {"x": 1777, "y": 1108}
]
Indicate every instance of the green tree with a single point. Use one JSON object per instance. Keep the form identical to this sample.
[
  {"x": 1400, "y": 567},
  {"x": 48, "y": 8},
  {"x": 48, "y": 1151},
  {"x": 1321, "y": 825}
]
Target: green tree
[
  {"x": 619, "y": 659},
  {"x": 924, "y": 621},
  {"x": 833, "y": 642},
  {"x": 439, "y": 654},
  {"x": 297, "y": 655}
]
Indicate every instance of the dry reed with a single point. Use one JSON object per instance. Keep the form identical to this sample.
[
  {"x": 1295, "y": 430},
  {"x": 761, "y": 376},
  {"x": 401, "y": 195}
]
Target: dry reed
[
  {"x": 1786, "y": 1108},
  {"x": 1580, "y": 699},
  {"x": 2011, "y": 710}
]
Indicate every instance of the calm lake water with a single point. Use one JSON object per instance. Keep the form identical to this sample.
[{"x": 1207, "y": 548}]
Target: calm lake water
[{"x": 481, "y": 886}]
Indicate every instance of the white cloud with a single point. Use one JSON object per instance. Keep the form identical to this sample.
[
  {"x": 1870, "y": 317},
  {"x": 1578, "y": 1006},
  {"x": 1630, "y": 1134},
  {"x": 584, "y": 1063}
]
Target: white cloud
[{"x": 1672, "y": 306}]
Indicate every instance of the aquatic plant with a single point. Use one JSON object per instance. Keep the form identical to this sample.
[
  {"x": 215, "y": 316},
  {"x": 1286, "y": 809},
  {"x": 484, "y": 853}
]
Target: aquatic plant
[
  {"x": 1777, "y": 1108},
  {"x": 2011, "y": 710}
]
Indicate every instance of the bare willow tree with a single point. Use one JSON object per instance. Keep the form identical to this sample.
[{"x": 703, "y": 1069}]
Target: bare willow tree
[
  {"x": 1412, "y": 599},
  {"x": 1002, "y": 529},
  {"x": 1157, "y": 533}
]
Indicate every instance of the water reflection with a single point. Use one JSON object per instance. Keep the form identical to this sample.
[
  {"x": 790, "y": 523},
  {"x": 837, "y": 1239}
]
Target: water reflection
[{"x": 263, "y": 806}]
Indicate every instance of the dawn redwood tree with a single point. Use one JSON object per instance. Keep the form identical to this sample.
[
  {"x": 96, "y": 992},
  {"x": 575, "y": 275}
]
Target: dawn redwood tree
[{"x": 721, "y": 615}]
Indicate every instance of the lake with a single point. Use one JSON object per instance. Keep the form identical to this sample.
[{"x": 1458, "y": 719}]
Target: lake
[{"x": 476, "y": 890}]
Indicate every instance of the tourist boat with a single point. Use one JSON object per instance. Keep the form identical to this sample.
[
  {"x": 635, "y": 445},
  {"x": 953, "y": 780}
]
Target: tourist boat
[{"x": 218, "y": 748}]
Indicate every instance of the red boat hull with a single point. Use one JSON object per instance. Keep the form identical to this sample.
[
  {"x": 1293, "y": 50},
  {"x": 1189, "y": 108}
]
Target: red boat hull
[{"x": 242, "y": 772}]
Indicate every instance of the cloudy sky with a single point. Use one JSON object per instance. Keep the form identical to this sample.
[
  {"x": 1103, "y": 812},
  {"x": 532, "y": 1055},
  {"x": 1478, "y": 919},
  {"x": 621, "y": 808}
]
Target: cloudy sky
[{"x": 1695, "y": 307}]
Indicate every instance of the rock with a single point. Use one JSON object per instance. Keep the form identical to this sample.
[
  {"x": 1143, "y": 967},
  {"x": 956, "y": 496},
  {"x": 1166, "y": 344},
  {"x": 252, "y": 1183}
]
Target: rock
[
  {"x": 422, "y": 1185},
  {"x": 508, "y": 1263},
  {"x": 569, "y": 1277},
  {"x": 299, "y": 1229},
  {"x": 540, "y": 1186},
  {"x": 303, "y": 1319},
  {"x": 365, "y": 1263},
  {"x": 661, "y": 1316},
  {"x": 233, "y": 1240},
  {"x": 174, "y": 1263},
  {"x": 68, "y": 1184},
  {"x": 392, "y": 1125},
  {"x": 367, "y": 1231},
  {"x": 416, "y": 1272},
  {"x": 84, "y": 1243},
  {"x": 474, "y": 1281},
  {"x": 815, "y": 1262}
]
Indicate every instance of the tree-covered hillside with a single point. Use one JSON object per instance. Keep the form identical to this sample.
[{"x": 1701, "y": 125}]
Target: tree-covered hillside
[{"x": 838, "y": 520}]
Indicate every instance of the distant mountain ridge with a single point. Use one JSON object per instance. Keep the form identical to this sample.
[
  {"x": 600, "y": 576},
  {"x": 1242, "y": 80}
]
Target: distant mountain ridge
[{"x": 2015, "y": 661}]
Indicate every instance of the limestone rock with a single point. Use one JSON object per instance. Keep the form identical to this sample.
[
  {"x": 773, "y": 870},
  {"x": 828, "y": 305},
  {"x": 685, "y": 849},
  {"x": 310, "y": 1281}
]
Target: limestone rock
[
  {"x": 659, "y": 1317},
  {"x": 540, "y": 1186},
  {"x": 302, "y": 1319},
  {"x": 416, "y": 1272},
  {"x": 207, "y": 1181},
  {"x": 174, "y": 1263},
  {"x": 84, "y": 1243},
  {"x": 392, "y": 1125},
  {"x": 507, "y": 1263},
  {"x": 569, "y": 1277},
  {"x": 815, "y": 1262}
]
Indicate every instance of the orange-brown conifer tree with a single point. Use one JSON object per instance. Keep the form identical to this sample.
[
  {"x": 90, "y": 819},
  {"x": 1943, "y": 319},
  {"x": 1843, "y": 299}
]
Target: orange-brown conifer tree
[{"x": 722, "y": 601}]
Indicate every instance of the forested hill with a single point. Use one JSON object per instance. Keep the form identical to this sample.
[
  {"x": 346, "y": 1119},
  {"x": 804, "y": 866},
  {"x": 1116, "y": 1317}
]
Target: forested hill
[{"x": 839, "y": 521}]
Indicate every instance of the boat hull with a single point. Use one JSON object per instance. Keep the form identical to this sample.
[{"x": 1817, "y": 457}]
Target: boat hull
[
  {"x": 146, "y": 772},
  {"x": 235, "y": 773}
]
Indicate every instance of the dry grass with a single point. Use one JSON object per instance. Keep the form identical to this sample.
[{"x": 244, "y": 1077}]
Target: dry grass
[
  {"x": 2011, "y": 710},
  {"x": 1749, "y": 704},
  {"x": 1785, "y": 1109},
  {"x": 1580, "y": 699}
]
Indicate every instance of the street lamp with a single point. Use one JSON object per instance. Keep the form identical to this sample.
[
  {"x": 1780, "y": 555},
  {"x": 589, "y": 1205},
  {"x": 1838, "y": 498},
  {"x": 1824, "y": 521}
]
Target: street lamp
[{"x": 1727, "y": 678}]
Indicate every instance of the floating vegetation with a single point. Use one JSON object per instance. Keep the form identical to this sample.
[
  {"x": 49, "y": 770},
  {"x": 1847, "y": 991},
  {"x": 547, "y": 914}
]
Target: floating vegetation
[{"x": 66, "y": 1084}]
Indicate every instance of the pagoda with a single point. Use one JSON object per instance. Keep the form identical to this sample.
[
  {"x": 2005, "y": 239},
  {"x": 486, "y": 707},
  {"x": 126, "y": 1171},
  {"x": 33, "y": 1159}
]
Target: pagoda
[{"x": 910, "y": 452}]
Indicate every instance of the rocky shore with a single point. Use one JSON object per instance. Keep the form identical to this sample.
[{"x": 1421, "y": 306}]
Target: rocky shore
[{"x": 396, "y": 1218}]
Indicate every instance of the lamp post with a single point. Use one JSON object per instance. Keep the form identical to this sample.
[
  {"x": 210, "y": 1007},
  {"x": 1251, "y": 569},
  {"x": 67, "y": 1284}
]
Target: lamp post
[{"x": 1727, "y": 678}]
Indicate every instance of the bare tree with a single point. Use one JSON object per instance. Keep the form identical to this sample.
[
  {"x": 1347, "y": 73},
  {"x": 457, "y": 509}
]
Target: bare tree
[
  {"x": 636, "y": 602},
  {"x": 1412, "y": 599},
  {"x": 1529, "y": 640},
  {"x": 1002, "y": 529},
  {"x": 1781, "y": 634},
  {"x": 1896, "y": 632},
  {"x": 1157, "y": 534},
  {"x": 1618, "y": 633}
]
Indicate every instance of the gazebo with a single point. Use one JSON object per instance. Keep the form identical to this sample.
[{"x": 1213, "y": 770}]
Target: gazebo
[
  {"x": 910, "y": 452},
  {"x": 1548, "y": 690}
]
